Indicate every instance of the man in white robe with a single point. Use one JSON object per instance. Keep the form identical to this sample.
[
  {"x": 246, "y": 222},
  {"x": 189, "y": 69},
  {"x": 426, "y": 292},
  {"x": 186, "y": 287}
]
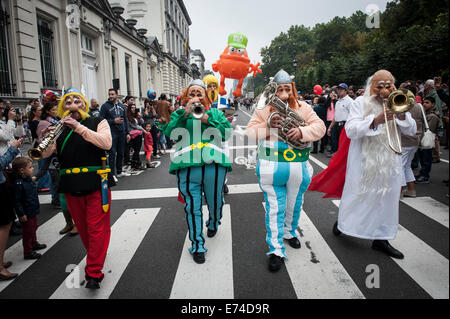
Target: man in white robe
[{"x": 369, "y": 206}]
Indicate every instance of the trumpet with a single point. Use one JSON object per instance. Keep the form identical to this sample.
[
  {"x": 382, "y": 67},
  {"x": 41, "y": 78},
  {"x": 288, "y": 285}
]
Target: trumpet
[
  {"x": 400, "y": 101},
  {"x": 36, "y": 153},
  {"x": 198, "y": 110}
]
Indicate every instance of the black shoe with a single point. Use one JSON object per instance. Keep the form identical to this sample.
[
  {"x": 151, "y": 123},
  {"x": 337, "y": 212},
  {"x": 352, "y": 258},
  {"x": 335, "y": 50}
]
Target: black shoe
[
  {"x": 39, "y": 247},
  {"x": 211, "y": 233},
  {"x": 294, "y": 243},
  {"x": 385, "y": 247},
  {"x": 422, "y": 180},
  {"x": 322, "y": 151},
  {"x": 199, "y": 258},
  {"x": 275, "y": 262},
  {"x": 93, "y": 283},
  {"x": 336, "y": 231},
  {"x": 225, "y": 189},
  {"x": 33, "y": 255}
]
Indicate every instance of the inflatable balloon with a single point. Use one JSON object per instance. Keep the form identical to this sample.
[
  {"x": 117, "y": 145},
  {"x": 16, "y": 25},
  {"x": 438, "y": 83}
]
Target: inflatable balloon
[
  {"x": 234, "y": 63},
  {"x": 151, "y": 94},
  {"x": 318, "y": 90}
]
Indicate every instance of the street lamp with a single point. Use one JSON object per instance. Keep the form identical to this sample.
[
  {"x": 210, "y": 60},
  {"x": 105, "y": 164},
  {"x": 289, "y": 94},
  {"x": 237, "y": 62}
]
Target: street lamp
[{"x": 294, "y": 62}]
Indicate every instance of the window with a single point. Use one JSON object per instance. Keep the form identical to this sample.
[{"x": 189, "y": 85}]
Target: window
[
  {"x": 6, "y": 84},
  {"x": 45, "y": 37},
  {"x": 177, "y": 46},
  {"x": 128, "y": 73},
  {"x": 86, "y": 43},
  {"x": 114, "y": 62},
  {"x": 140, "y": 78},
  {"x": 173, "y": 43},
  {"x": 168, "y": 37}
]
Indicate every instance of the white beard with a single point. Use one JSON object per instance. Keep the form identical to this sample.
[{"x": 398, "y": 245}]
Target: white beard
[{"x": 379, "y": 162}]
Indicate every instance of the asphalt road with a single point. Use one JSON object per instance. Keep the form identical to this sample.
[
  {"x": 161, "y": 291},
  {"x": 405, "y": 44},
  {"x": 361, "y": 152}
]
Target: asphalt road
[{"x": 148, "y": 257}]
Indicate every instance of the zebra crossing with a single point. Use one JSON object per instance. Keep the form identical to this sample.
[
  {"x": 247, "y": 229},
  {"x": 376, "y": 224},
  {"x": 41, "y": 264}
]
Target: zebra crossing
[{"x": 314, "y": 271}]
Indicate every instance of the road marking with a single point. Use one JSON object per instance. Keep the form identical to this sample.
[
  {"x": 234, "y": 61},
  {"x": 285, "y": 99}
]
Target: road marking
[
  {"x": 165, "y": 192},
  {"x": 444, "y": 160},
  {"x": 214, "y": 278},
  {"x": 422, "y": 263},
  {"x": 126, "y": 235},
  {"x": 317, "y": 162},
  {"x": 430, "y": 208},
  {"x": 315, "y": 271},
  {"x": 48, "y": 234},
  {"x": 250, "y": 116}
]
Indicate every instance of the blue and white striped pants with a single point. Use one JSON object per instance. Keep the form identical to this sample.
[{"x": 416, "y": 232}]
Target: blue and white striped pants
[
  {"x": 284, "y": 186},
  {"x": 193, "y": 182}
]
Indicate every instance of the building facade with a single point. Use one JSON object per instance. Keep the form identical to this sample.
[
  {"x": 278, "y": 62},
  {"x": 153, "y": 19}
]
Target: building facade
[
  {"x": 198, "y": 59},
  {"x": 168, "y": 21},
  {"x": 55, "y": 44}
]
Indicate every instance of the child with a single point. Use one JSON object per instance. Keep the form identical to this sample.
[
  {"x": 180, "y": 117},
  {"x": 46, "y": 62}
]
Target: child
[
  {"x": 27, "y": 206},
  {"x": 148, "y": 145},
  {"x": 426, "y": 156},
  {"x": 162, "y": 143}
]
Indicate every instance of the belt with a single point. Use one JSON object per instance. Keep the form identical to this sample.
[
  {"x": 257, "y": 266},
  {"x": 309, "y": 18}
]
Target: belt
[
  {"x": 199, "y": 145},
  {"x": 286, "y": 155},
  {"x": 79, "y": 170}
]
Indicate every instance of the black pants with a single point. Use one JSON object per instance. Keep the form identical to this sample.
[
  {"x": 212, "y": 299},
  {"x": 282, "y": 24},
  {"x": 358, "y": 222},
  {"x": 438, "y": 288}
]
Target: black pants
[
  {"x": 154, "y": 132},
  {"x": 136, "y": 144}
]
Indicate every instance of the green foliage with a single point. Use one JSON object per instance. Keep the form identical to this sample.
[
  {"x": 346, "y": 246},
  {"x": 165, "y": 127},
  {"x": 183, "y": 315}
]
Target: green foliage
[{"x": 412, "y": 43}]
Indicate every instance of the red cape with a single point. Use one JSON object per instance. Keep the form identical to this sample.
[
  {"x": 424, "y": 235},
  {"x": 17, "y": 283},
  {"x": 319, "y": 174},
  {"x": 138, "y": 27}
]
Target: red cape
[
  {"x": 331, "y": 181},
  {"x": 180, "y": 198}
]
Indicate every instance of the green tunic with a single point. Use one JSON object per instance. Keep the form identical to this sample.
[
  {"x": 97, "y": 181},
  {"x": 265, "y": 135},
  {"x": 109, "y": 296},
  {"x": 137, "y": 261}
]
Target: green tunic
[{"x": 198, "y": 144}]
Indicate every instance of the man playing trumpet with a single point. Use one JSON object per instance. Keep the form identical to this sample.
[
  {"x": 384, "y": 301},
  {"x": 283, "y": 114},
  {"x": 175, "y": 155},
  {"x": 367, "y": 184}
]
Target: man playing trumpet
[
  {"x": 369, "y": 206},
  {"x": 285, "y": 174},
  {"x": 81, "y": 150}
]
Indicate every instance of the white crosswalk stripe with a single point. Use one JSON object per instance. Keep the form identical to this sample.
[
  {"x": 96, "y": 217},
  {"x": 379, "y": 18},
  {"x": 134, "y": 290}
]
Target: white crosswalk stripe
[
  {"x": 126, "y": 236},
  {"x": 429, "y": 207},
  {"x": 47, "y": 234},
  {"x": 314, "y": 269},
  {"x": 422, "y": 263},
  {"x": 214, "y": 278}
]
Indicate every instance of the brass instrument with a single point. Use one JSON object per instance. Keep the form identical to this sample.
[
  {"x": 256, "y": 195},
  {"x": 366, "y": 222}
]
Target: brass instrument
[
  {"x": 290, "y": 118},
  {"x": 400, "y": 101},
  {"x": 36, "y": 153},
  {"x": 198, "y": 110}
]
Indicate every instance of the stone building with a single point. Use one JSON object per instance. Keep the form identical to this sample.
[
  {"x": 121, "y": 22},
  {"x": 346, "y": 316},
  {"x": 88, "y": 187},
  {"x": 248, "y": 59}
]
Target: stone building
[
  {"x": 168, "y": 21},
  {"x": 55, "y": 44}
]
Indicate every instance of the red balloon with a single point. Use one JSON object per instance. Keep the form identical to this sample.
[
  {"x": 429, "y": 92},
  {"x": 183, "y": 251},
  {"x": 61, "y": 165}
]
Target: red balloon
[{"x": 318, "y": 90}]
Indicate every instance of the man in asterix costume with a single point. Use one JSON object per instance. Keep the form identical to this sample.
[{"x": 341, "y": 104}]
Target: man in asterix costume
[
  {"x": 369, "y": 206},
  {"x": 284, "y": 172},
  {"x": 81, "y": 150},
  {"x": 200, "y": 163}
]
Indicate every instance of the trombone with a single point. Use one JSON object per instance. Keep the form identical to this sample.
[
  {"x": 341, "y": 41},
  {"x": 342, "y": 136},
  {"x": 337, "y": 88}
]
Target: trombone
[{"x": 400, "y": 101}]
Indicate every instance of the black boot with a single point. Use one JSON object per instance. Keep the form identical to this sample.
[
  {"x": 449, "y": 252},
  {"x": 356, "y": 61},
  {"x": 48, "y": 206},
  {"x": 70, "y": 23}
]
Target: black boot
[
  {"x": 336, "y": 231},
  {"x": 92, "y": 283},
  {"x": 225, "y": 189},
  {"x": 211, "y": 233},
  {"x": 385, "y": 247},
  {"x": 199, "y": 258},
  {"x": 275, "y": 262},
  {"x": 294, "y": 243}
]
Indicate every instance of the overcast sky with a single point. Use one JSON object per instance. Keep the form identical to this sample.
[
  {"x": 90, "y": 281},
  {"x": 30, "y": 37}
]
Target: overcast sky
[{"x": 259, "y": 20}]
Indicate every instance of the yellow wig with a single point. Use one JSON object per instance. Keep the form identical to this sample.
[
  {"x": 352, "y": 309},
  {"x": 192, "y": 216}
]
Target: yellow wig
[
  {"x": 72, "y": 91},
  {"x": 212, "y": 79}
]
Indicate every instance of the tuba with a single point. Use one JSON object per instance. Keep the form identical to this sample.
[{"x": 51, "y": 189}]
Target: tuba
[
  {"x": 290, "y": 118},
  {"x": 400, "y": 101},
  {"x": 36, "y": 153}
]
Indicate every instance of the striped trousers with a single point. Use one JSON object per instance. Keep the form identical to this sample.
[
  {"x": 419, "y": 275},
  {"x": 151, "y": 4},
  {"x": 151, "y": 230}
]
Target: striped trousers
[
  {"x": 193, "y": 182},
  {"x": 284, "y": 185}
]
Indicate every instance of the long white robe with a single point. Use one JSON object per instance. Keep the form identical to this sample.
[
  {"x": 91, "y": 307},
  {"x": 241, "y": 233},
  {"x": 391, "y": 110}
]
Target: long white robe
[{"x": 374, "y": 216}]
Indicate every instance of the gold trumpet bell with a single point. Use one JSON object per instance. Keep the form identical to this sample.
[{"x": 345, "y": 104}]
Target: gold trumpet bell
[{"x": 400, "y": 101}]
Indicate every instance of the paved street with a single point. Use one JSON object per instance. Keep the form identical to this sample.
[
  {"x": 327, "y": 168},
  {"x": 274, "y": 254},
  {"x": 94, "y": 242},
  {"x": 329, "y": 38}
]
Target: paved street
[{"x": 148, "y": 255}]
